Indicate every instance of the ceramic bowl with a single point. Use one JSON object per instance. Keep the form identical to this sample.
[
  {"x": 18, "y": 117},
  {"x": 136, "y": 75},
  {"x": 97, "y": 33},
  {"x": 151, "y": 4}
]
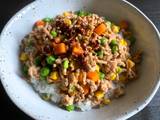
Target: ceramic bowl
[{"x": 138, "y": 94}]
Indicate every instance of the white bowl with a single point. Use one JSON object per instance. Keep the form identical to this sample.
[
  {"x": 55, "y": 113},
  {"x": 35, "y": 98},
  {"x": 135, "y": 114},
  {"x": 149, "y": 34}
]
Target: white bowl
[{"x": 139, "y": 93}]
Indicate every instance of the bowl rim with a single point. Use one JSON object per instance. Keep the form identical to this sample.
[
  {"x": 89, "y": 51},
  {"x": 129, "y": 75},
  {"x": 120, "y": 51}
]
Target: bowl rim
[{"x": 128, "y": 115}]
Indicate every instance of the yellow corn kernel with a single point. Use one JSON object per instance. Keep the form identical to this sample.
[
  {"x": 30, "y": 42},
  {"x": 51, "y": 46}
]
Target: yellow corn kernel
[
  {"x": 123, "y": 42},
  {"x": 113, "y": 76},
  {"x": 89, "y": 33},
  {"x": 106, "y": 101},
  {"x": 23, "y": 56},
  {"x": 67, "y": 21},
  {"x": 101, "y": 105},
  {"x": 115, "y": 28},
  {"x": 66, "y": 14},
  {"x": 122, "y": 78},
  {"x": 97, "y": 68},
  {"x": 54, "y": 75},
  {"x": 130, "y": 64},
  {"x": 99, "y": 94}
]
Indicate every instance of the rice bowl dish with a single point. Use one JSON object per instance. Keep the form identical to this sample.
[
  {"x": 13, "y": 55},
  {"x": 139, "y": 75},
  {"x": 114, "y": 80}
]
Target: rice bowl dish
[
  {"x": 79, "y": 60},
  {"x": 137, "y": 94}
]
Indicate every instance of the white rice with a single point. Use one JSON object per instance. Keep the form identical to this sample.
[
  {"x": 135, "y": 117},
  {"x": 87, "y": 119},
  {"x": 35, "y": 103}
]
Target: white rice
[
  {"x": 85, "y": 106},
  {"x": 110, "y": 92},
  {"x": 42, "y": 86}
]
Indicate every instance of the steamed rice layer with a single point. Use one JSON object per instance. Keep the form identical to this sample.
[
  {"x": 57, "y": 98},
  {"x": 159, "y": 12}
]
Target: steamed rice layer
[{"x": 43, "y": 88}]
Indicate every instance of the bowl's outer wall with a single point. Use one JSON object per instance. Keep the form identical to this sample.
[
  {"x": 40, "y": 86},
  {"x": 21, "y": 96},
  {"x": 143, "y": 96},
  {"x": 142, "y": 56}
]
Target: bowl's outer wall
[{"x": 22, "y": 93}]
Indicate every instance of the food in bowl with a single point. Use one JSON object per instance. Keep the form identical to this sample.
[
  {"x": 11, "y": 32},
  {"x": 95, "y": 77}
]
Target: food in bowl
[{"x": 79, "y": 60}]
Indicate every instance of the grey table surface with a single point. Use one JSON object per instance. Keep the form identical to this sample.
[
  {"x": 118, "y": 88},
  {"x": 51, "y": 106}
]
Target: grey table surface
[{"x": 152, "y": 9}]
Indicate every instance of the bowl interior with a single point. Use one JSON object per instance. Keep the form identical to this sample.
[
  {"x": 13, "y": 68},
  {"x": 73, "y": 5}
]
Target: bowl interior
[{"x": 137, "y": 93}]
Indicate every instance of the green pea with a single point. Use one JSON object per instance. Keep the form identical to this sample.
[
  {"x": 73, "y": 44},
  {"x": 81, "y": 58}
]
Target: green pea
[
  {"x": 44, "y": 72},
  {"x": 101, "y": 75},
  {"x": 70, "y": 108},
  {"x": 65, "y": 64},
  {"x": 109, "y": 23},
  {"x": 105, "y": 18},
  {"x": 37, "y": 61},
  {"x": 103, "y": 41},
  {"x": 118, "y": 69},
  {"x": 42, "y": 78},
  {"x": 54, "y": 33},
  {"x": 100, "y": 53},
  {"x": 25, "y": 70},
  {"x": 50, "y": 59},
  {"x": 132, "y": 40},
  {"x": 82, "y": 13},
  {"x": 88, "y": 14},
  {"x": 30, "y": 44},
  {"x": 114, "y": 49},
  {"x": 46, "y": 96},
  {"x": 72, "y": 88},
  {"x": 47, "y": 19},
  {"x": 113, "y": 43}
]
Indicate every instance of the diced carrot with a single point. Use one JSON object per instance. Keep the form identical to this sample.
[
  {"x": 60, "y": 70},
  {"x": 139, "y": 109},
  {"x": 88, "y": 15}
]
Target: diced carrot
[
  {"x": 60, "y": 48},
  {"x": 77, "y": 50},
  {"x": 80, "y": 78},
  {"x": 40, "y": 23},
  {"x": 86, "y": 89},
  {"x": 130, "y": 64},
  {"x": 123, "y": 24},
  {"x": 93, "y": 76},
  {"x": 100, "y": 29}
]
